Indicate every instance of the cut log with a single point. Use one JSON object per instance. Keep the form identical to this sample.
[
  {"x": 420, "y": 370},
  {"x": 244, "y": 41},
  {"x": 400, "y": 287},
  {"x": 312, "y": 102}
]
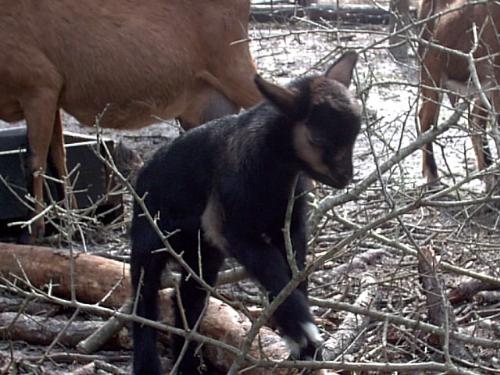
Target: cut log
[
  {"x": 42, "y": 331},
  {"x": 97, "y": 277},
  {"x": 95, "y": 367},
  {"x": 465, "y": 291},
  {"x": 489, "y": 297},
  {"x": 358, "y": 264},
  {"x": 32, "y": 307},
  {"x": 20, "y": 362}
]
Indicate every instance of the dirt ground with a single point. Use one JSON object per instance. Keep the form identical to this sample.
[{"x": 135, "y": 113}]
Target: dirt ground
[{"x": 464, "y": 234}]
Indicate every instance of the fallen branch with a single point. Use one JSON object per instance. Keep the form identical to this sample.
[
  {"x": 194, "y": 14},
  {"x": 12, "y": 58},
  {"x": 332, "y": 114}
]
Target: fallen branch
[
  {"x": 101, "y": 335},
  {"x": 69, "y": 358},
  {"x": 230, "y": 276},
  {"x": 440, "y": 312},
  {"x": 30, "y": 307},
  {"x": 488, "y": 297},
  {"x": 358, "y": 263},
  {"x": 398, "y": 247},
  {"x": 353, "y": 324},
  {"x": 410, "y": 323},
  {"x": 465, "y": 291},
  {"x": 490, "y": 325},
  {"x": 42, "y": 331},
  {"x": 97, "y": 367}
]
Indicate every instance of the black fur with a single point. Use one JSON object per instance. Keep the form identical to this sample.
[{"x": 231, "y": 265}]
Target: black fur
[{"x": 243, "y": 167}]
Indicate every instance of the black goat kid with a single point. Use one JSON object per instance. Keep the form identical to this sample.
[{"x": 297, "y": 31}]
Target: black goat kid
[{"x": 223, "y": 189}]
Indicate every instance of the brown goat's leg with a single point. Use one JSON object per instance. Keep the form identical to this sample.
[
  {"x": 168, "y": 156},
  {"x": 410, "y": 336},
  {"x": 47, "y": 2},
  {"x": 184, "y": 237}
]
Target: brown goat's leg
[
  {"x": 57, "y": 155},
  {"x": 428, "y": 114},
  {"x": 478, "y": 120},
  {"x": 40, "y": 115}
]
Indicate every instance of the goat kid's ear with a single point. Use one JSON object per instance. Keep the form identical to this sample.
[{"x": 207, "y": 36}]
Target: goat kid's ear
[
  {"x": 283, "y": 99},
  {"x": 342, "y": 69}
]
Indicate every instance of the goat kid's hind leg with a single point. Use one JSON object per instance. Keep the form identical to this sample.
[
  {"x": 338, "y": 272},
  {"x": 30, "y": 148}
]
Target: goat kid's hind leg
[
  {"x": 39, "y": 111},
  {"x": 268, "y": 265},
  {"x": 193, "y": 298},
  {"x": 146, "y": 269}
]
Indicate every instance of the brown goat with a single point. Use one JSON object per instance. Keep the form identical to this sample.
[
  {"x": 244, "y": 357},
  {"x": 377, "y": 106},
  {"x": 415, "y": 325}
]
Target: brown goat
[
  {"x": 444, "y": 70},
  {"x": 127, "y": 60}
]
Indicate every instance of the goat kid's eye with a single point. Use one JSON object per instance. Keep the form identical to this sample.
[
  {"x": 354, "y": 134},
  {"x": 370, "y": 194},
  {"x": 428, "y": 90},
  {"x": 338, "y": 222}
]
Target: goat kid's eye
[{"x": 316, "y": 142}]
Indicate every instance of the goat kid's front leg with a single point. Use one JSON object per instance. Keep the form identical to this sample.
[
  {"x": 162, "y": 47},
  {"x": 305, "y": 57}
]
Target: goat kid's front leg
[
  {"x": 267, "y": 264},
  {"x": 299, "y": 243}
]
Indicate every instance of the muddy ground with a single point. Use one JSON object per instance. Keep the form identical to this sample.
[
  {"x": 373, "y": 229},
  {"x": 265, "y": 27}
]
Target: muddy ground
[{"x": 465, "y": 235}]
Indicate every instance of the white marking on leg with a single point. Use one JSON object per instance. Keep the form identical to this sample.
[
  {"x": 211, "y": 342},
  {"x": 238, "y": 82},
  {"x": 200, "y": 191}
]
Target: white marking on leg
[
  {"x": 312, "y": 332},
  {"x": 211, "y": 223}
]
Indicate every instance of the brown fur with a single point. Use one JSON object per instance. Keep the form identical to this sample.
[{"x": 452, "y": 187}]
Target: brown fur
[
  {"x": 428, "y": 9},
  {"x": 133, "y": 59},
  {"x": 312, "y": 155},
  {"x": 443, "y": 70}
]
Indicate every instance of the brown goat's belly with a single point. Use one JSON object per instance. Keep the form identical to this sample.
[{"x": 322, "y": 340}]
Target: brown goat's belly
[{"x": 135, "y": 114}]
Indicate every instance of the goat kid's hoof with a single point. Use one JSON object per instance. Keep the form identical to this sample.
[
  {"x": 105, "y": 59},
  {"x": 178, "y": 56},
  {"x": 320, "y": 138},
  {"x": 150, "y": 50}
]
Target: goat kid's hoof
[{"x": 308, "y": 348}]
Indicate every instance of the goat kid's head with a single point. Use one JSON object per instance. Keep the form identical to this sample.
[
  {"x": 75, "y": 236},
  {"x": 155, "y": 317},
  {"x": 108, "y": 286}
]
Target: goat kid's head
[{"x": 325, "y": 118}]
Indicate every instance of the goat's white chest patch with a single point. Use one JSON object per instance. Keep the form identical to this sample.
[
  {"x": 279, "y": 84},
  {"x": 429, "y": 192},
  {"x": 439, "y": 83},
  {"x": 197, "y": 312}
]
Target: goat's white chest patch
[{"x": 212, "y": 220}]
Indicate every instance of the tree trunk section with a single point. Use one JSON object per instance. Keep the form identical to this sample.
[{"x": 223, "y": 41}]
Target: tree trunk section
[
  {"x": 42, "y": 331},
  {"x": 96, "y": 277}
]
